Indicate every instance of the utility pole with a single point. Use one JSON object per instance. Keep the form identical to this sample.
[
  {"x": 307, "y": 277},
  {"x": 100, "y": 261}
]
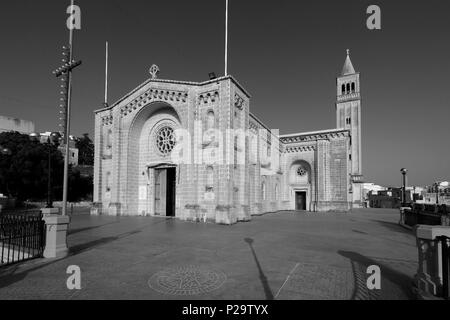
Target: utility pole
[
  {"x": 437, "y": 192},
  {"x": 66, "y": 72}
]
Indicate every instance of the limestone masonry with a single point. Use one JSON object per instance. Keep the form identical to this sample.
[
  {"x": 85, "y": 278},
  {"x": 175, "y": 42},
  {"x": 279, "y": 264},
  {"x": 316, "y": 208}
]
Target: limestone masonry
[{"x": 194, "y": 151}]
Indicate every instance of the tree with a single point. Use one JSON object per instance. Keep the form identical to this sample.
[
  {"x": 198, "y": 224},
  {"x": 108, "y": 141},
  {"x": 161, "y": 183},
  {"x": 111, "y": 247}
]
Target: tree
[
  {"x": 24, "y": 171},
  {"x": 80, "y": 187},
  {"x": 85, "y": 148}
]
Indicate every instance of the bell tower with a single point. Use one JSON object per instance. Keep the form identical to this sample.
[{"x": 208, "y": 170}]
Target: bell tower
[{"x": 348, "y": 116}]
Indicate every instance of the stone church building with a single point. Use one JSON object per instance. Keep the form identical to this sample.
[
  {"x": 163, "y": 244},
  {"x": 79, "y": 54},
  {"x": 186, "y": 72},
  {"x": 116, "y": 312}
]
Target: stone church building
[{"x": 194, "y": 151}]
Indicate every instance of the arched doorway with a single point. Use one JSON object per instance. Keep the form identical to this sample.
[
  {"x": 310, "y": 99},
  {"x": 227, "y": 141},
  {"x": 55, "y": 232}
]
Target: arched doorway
[{"x": 150, "y": 171}]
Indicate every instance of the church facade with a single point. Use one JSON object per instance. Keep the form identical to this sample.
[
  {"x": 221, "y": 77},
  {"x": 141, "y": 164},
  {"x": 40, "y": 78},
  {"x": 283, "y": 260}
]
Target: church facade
[{"x": 194, "y": 151}]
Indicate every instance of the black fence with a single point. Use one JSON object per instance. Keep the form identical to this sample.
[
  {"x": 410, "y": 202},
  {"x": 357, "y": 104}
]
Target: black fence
[
  {"x": 22, "y": 236},
  {"x": 445, "y": 245},
  {"x": 425, "y": 214}
]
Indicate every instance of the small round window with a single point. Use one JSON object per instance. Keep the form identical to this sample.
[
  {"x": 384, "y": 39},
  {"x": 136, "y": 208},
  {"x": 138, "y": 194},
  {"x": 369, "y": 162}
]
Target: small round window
[
  {"x": 165, "y": 140},
  {"x": 301, "y": 172}
]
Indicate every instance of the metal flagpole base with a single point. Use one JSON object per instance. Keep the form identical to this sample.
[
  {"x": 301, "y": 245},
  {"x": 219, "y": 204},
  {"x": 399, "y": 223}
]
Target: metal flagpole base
[{"x": 56, "y": 236}]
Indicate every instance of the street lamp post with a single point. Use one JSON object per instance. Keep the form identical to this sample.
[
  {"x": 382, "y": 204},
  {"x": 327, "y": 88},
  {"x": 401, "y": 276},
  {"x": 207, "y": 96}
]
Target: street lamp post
[
  {"x": 404, "y": 171},
  {"x": 437, "y": 192},
  {"x": 6, "y": 152},
  {"x": 52, "y": 140}
]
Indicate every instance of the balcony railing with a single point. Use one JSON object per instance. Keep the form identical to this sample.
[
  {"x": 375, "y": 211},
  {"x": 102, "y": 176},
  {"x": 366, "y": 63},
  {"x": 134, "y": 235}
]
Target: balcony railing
[{"x": 357, "y": 178}]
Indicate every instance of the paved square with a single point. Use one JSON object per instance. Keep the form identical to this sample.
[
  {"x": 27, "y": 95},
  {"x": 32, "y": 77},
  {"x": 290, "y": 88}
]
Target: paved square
[
  {"x": 285, "y": 255},
  {"x": 318, "y": 282}
]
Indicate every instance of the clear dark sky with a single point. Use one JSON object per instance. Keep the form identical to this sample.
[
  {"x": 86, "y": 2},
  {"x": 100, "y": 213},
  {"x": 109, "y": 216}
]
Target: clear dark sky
[{"x": 287, "y": 54}]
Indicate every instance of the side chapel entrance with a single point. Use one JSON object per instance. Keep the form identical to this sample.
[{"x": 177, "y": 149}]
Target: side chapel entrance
[{"x": 300, "y": 201}]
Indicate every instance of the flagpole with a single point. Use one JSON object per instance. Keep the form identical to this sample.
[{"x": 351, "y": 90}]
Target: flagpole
[
  {"x": 226, "y": 39},
  {"x": 106, "y": 74}
]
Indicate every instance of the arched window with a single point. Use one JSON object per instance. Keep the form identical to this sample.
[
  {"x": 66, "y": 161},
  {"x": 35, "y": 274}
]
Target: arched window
[
  {"x": 109, "y": 139},
  {"x": 348, "y": 87},
  {"x": 343, "y": 89},
  {"x": 235, "y": 151},
  {"x": 353, "y": 87},
  {"x": 263, "y": 190},
  {"x": 210, "y": 179},
  {"x": 108, "y": 181},
  {"x": 210, "y": 120}
]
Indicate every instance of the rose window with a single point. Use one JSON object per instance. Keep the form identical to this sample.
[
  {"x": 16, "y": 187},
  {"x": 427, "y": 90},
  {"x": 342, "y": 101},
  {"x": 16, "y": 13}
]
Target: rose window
[
  {"x": 165, "y": 140},
  {"x": 301, "y": 172}
]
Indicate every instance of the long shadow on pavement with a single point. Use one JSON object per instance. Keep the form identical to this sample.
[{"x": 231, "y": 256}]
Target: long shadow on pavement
[
  {"x": 262, "y": 276},
  {"x": 360, "y": 264},
  {"x": 73, "y": 231},
  {"x": 358, "y": 231},
  {"x": 393, "y": 226},
  {"x": 95, "y": 243}
]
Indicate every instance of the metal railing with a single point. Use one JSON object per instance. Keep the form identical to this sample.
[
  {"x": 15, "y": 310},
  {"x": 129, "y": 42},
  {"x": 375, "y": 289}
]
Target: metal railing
[
  {"x": 425, "y": 214},
  {"x": 445, "y": 244},
  {"x": 22, "y": 236},
  {"x": 437, "y": 209}
]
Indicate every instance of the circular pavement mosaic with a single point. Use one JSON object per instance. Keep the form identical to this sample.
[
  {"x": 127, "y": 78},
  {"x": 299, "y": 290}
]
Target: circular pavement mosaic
[{"x": 187, "y": 280}]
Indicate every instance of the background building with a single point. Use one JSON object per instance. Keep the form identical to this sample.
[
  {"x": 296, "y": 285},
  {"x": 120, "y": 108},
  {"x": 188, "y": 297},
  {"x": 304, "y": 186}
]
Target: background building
[
  {"x": 438, "y": 193},
  {"x": 14, "y": 124},
  {"x": 389, "y": 198},
  {"x": 73, "y": 150},
  {"x": 371, "y": 188}
]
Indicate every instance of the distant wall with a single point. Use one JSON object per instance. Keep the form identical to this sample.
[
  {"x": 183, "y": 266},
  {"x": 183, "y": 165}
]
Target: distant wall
[
  {"x": 13, "y": 124},
  {"x": 381, "y": 201}
]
